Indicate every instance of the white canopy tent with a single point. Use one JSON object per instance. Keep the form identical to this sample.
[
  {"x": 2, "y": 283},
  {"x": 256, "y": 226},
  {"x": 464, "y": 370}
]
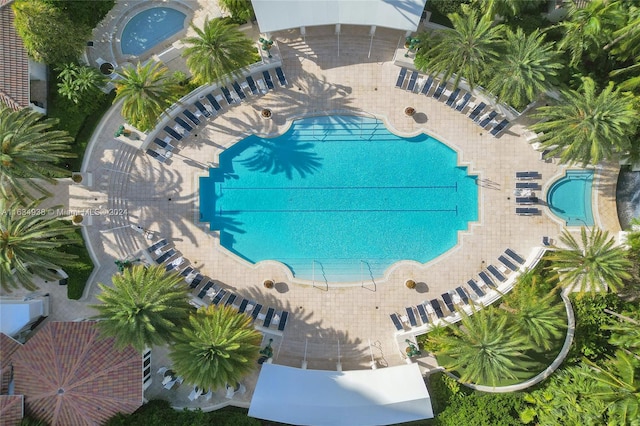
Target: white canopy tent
[
  {"x": 276, "y": 15},
  {"x": 360, "y": 397}
]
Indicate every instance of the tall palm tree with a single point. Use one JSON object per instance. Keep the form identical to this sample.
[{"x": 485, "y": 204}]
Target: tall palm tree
[
  {"x": 507, "y": 8},
  {"x": 625, "y": 333},
  {"x": 78, "y": 82},
  {"x": 592, "y": 264},
  {"x": 466, "y": 51},
  {"x": 30, "y": 242},
  {"x": 588, "y": 126},
  {"x": 144, "y": 307},
  {"x": 29, "y": 152},
  {"x": 219, "y": 346},
  {"x": 147, "y": 90},
  {"x": 240, "y": 9},
  {"x": 482, "y": 348},
  {"x": 528, "y": 67},
  {"x": 218, "y": 49}
]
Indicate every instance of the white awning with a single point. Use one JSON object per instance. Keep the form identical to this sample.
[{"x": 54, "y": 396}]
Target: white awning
[
  {"x": 361, "y": 397},
  {"x": 276, "y": 15}
]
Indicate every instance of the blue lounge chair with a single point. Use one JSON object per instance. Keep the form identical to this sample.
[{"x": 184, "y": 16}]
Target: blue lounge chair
[
  {"x": 423, "y": 314},
  {"x": 546, "y": 241},
  {"x": 204, "y": 289},
  {"x": 427, "y": 85},
  {"x": 268, "y": 317},
  {"x": 486, "y": 120},
  {"x": 528, "y": 175},
  {"x": 252, "y": 85},
  {"x": 396, "y": 322},
  {"x": 163, "y": 242},
  {"x": 219, "y": 295},
  {"x": 439, "y": 90},
  {"x": 177, "y": 136},
  {"x": 267, "y": 79},
  {"x": 448, "y": 301},
  {"x": 527, "y": 211},
  {"x": 462, "y": 103},
  {"x": 499, "y": 128},
  {"x": 401, "y": 76},
  {"x": 477, "y": 110},
  {"x": 527, "y": 185},
  {"x": 506, "y": 262},
  {"x": 161, "y": 158},
  {"x": 526, "y": 200},
  {"x": 191, "y": 117},
  {"x": 202, "y": 109},
  {"x": 283, "y": 320},
  {"x": 243, "y": 306},
  {"x": 487, "y": 279},
  {"x": 227, "y": 95},
  {"x": 213, "y": 102},
  {"x": 452, "y": 97},
  {"x": 196, "y": 281},
  {"x": 411, "y": 316},
  {"x": 183, "y": 124},
  {"x": 474, "y": 286},
  {"x": 230, "y": 299},
  {"x": 256, "y": 311},
  {"x": 186, "y": 271},
  {"x": 173, "y": 265},
  {"x": 494, "y": 271},
  {"x": 463, "y": 295},
  {"x": 165, "y": 256},
  {"x": 437, "y": 308},
  {"x": 238, "y": 90},
  {"x": 412, "y": 81},
  {"x": 163, "y": 144},
  {"x": 281, "y": 78}
]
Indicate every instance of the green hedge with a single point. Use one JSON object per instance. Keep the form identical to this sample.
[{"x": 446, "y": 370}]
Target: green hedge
[{"x": 81, "y": 270}]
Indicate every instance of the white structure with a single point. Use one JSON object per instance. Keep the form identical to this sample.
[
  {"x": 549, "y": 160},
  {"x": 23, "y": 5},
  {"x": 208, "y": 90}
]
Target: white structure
[
  {"x": 18, "y": 315},
  {"x": 360, "y": 397},
  {"x": 276, "y": 15}
]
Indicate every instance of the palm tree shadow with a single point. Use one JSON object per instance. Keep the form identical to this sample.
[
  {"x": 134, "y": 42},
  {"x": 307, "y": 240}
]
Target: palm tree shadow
[{"x": 284, "y": 158}]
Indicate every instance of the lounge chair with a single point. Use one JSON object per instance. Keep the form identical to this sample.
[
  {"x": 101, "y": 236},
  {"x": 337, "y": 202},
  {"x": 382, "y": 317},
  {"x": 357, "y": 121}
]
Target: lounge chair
[
  {"x": 546, "y": 241},
  {"x": 476, "y": 289},
  {"x": 173, "y": 265},
  {"x": 252, "y": 85},
  {"x": 463, "y": 295},
  {"x": 396, "y": 322},
  {"x": 462, "y": 103},
  {"x": 177, "y": 136},
  {"x": 218, "y": 297},
  {"x": 281, "y": 78},
  {"x": 163, "y": 144},
  {"x": 243, "y": 306},
  {"x": 227, "y": 95},
  {"x": 195, "y": 393},
  {"x": 165, "y": 256},
  {"x": 205, "y": 289},
  {"x": 499, "y": 128},
  {"x": 439, "y": 90},
  {"x": 427, "y": 86},
  {"x": 256, "y": 311},
  {"x": 268, "y": 317},
  {"x": 527, "y": 211},
  {"x": 183, "y": 124},
  {"x": 506, "y": 262},
  {"x": 487, "y": 119},
  {"x": 526, "y": 200},
  {"x": 401, "y": 76},
  {"x": 186, "y": 271},
  {"x": 267, "y": 79},
  {"x": 238, "y": 90},
  {"x": 527, "y": 185},
  {"x": 494, "y": 271},
  {"x": 262, "y": 87},
  {"x": 452, "y": 97},
  {"x": 230, "y": 299},
  {"x": 412, "y": 81},
  {"x": 213, "y": 102},
  {"x": 196, "y": 281},
  {"x": 437, "y": 308},
  {"x": 477, "y": 110},
  {"x": 423, "y": 314},
  {"x": 163, "y": 242},
  {"x": 487, "y": 279},
  {"x": 202, "y": 109},
  {"x": 447, "y": 301},
  {"x": 514, "y": 256},
  {"x": 528, "y": 175},
  {"x": 283, "y": 320},
  {"x": 412, "y": 317},
  {"x": 161, "y": 158}
]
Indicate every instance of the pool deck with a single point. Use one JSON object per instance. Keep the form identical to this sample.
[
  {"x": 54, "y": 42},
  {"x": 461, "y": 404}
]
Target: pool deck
[{"x": 326, "y": 320}]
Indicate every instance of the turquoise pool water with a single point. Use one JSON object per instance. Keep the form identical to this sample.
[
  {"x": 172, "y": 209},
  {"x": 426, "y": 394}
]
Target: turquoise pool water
[
  {"x": 569, "y": 198},
  {"x": 338, "y": 198},
  {"x": 149, "y": 28}
]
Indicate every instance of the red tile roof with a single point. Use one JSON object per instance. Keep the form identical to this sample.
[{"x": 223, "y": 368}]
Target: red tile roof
[
  {"x": 71, "y": 376},
  {"x": 11, "y": 409},
  {"x": 7, "y": 347},
  {"x": 14, "y": 62}
]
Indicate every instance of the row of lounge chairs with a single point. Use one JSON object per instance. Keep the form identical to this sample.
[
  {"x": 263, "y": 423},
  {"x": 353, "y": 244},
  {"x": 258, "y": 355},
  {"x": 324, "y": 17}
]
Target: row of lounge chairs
[
  {"x": 206, "y": 292},
  {"x": 430, "y": 311},
  {"x": 524, "y": 193},
  {"x": 424, "y": 86},
  {"x": 209, "y": 106}
]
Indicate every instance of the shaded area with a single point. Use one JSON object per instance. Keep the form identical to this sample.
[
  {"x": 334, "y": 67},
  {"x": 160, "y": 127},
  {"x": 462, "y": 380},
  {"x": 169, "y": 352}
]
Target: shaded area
[{"x": 628, "y": 196}]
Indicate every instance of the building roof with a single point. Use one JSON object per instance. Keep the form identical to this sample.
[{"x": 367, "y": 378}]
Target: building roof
[
  {"x": 7, "y": 347},
  {"x": 69, "y": 375},
  {"x": 276, "y": 15},
  {"x": 14, "y": 62},
  {"x": 11, "y": 409}
]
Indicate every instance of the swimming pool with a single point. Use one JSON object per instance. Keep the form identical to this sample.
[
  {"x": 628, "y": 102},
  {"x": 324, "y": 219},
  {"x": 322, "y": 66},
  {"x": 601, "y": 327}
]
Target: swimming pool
[
  {"x": 149, "y": 28},
  {"x": 569, "y": 198},
  {"x": 339, "y": 198}
]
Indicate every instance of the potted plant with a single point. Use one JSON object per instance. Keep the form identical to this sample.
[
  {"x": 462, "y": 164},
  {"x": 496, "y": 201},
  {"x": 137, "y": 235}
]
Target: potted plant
[
  {"x": 410, "y": 284},
  {"x": 409, "y": 111},
  {"x": 268, "y": 284},
  {"x": 76, "y": 177},
  {"x": 77, "y": 219},
  {"x": 266, "y": 113}
]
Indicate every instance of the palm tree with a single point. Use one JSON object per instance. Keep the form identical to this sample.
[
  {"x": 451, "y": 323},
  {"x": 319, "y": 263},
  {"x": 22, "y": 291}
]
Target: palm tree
[
  {"x": 143, "y": 308},
  {"x": 483, "y": 348},
  {"x": 30, "y": 244},
  {"x": 592, "y": 264},
  {"x": 218, "y": 49},
  {"x": 219, "y": 346},
  {"x": 507, "y": 8},
  {"x": 528, "y": 67},
  {"x": 587, "y": 126},
  {"x": 79, "y": 82},
  {"x": 147, "y": 91},
  {"x": 468, "y": 50},
  {"x": 29, "y": 151},
  {"x": 239, "y": 9},
  {"x": 625, "y": 333}
]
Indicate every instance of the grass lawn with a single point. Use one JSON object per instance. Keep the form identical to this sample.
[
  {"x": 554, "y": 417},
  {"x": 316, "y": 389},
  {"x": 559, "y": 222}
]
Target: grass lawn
[{"x": 79, "y": 272}]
